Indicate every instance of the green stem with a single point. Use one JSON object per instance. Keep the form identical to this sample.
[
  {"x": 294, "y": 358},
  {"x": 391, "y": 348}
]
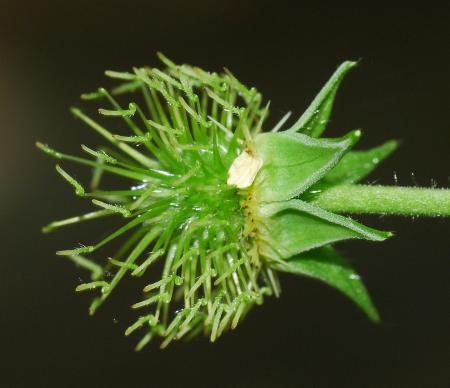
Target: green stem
[{"x": 362, "y": 199}]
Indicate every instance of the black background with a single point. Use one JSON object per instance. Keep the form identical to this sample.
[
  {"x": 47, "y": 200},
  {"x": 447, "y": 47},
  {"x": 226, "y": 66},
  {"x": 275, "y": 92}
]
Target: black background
[{"x": 312, "y": 336}]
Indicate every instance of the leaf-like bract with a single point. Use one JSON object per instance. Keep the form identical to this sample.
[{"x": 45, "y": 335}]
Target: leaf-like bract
[
  {"x": 356, "y": 165},
  {"x": 327, "y": 265},
  {"x": 314, "y": 120},
  {"x": 297, "y": 226},
  {"x": 293, "y": 162}
]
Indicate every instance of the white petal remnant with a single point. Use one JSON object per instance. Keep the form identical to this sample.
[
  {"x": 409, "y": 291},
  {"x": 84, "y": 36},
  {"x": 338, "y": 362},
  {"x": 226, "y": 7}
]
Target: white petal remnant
[{"x": 243, "y": 170}]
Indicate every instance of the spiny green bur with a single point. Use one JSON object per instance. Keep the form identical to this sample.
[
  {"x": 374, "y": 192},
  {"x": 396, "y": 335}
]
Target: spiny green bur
[{"x": 220, "y": 205}]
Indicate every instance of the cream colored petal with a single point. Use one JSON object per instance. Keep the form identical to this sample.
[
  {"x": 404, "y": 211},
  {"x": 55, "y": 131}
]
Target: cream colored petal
[{"x": 243, "y": 170}]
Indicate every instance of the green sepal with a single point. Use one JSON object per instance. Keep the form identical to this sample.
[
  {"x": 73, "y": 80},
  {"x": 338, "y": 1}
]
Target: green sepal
[
  {"x": 293, "y": 162},
  {"x": 292, "y": 227},
  {"x": 326, "y": 265},
  {"x": 356, "y": 165},
  {"x": 314, "y": 120}
]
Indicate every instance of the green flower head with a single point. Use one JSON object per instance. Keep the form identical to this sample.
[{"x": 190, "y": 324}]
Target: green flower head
[{"x": 213, "y": 207}]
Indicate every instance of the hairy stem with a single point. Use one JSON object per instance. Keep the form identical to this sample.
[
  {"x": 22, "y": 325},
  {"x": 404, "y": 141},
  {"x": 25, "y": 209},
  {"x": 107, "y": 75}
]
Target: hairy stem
[{"x": 363, "y": 199}]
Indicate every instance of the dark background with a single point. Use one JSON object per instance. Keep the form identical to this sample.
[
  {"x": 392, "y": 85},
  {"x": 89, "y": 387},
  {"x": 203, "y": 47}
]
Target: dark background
[{"x": 312, "y": 336}]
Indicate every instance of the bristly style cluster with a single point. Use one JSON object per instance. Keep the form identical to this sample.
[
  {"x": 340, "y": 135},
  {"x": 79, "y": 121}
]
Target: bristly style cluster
[
  {"x": 213, "y": 207},
  {"x": 176, "y": 203}
]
